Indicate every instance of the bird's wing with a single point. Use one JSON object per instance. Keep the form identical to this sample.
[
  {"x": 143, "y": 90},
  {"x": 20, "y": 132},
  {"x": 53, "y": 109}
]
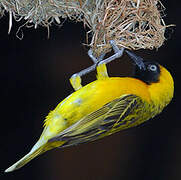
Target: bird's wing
[{"x": 119, "y": 112}]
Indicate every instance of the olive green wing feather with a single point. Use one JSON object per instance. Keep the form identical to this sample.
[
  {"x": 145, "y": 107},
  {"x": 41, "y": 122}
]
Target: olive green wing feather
[{"x": 115, "y": 115}]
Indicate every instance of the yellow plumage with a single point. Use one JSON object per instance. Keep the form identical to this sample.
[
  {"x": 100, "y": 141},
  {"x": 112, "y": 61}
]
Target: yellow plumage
[{"x": 101, "y": 108}]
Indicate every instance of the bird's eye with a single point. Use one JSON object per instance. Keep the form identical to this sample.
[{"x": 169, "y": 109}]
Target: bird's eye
[{"x": 152, "y": 67}]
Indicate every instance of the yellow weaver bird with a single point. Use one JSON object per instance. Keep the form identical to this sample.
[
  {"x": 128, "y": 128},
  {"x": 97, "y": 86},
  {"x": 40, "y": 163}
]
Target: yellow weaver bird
[{"x": 105, "y": 106}]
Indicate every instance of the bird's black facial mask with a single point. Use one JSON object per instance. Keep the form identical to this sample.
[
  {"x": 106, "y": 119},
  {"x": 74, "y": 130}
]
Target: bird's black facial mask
[
  {"x": 148, "y": 72},
  {"x": 150, "y": 75}
]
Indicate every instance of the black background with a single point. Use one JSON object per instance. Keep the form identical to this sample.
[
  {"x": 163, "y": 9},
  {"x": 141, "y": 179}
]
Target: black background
[{"x": 34, "y": 75}]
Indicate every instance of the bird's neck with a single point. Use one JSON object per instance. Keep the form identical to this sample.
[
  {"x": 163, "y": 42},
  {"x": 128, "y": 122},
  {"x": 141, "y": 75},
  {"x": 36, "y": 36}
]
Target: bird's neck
[{"x": 162, "y": 92}]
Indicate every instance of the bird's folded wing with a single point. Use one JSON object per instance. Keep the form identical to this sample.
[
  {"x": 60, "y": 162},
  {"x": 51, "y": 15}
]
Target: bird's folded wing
[{"x": 90, "y": 127}]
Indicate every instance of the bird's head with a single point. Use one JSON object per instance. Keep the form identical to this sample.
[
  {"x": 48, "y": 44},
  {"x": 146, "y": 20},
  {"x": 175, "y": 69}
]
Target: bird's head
[
  {"x": 148, "y": 72},
  {"x": 151, "y": 73},
  {"x": 159, "y": 80}
]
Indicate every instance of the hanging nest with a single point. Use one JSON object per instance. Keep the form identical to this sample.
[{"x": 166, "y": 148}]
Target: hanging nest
[{"x": 133, "y": 24}]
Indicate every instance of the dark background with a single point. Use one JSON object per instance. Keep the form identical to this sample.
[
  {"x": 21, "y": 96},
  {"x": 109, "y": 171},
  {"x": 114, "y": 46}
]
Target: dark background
[{"x": 34, "y": 75}]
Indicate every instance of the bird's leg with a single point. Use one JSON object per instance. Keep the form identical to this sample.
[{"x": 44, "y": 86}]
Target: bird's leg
[
  {"x": 101, "y": 68},
  {"x": 93, "y": 58},
  {"x": 102, "y": 71},
  {"x": 100, "y": 63},
  {"x": 117, "y": 53},
  {"x": 75, "y": 79}
]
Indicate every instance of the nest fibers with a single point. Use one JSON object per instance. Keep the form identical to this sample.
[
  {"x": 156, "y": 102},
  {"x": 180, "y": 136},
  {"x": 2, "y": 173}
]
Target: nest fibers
[{"x": 134, "y": 24}]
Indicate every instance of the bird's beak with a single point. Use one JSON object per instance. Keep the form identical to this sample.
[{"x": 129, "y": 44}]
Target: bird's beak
[{"x": 137, "y": 60}]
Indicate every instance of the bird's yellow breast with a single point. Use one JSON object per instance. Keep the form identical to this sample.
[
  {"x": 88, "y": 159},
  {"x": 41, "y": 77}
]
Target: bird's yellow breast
[{"x": 91, "y": 98}]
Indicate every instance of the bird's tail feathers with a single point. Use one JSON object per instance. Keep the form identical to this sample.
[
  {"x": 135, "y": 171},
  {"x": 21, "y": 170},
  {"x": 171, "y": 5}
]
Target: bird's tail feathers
[{"x": 36, "y": 150}]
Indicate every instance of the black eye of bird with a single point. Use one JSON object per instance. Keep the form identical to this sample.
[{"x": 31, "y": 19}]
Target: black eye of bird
[{"x": 152, "y": 67}]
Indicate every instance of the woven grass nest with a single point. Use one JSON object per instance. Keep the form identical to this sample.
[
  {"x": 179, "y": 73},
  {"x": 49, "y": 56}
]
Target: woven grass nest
[{"x": 133, "y": 24}]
